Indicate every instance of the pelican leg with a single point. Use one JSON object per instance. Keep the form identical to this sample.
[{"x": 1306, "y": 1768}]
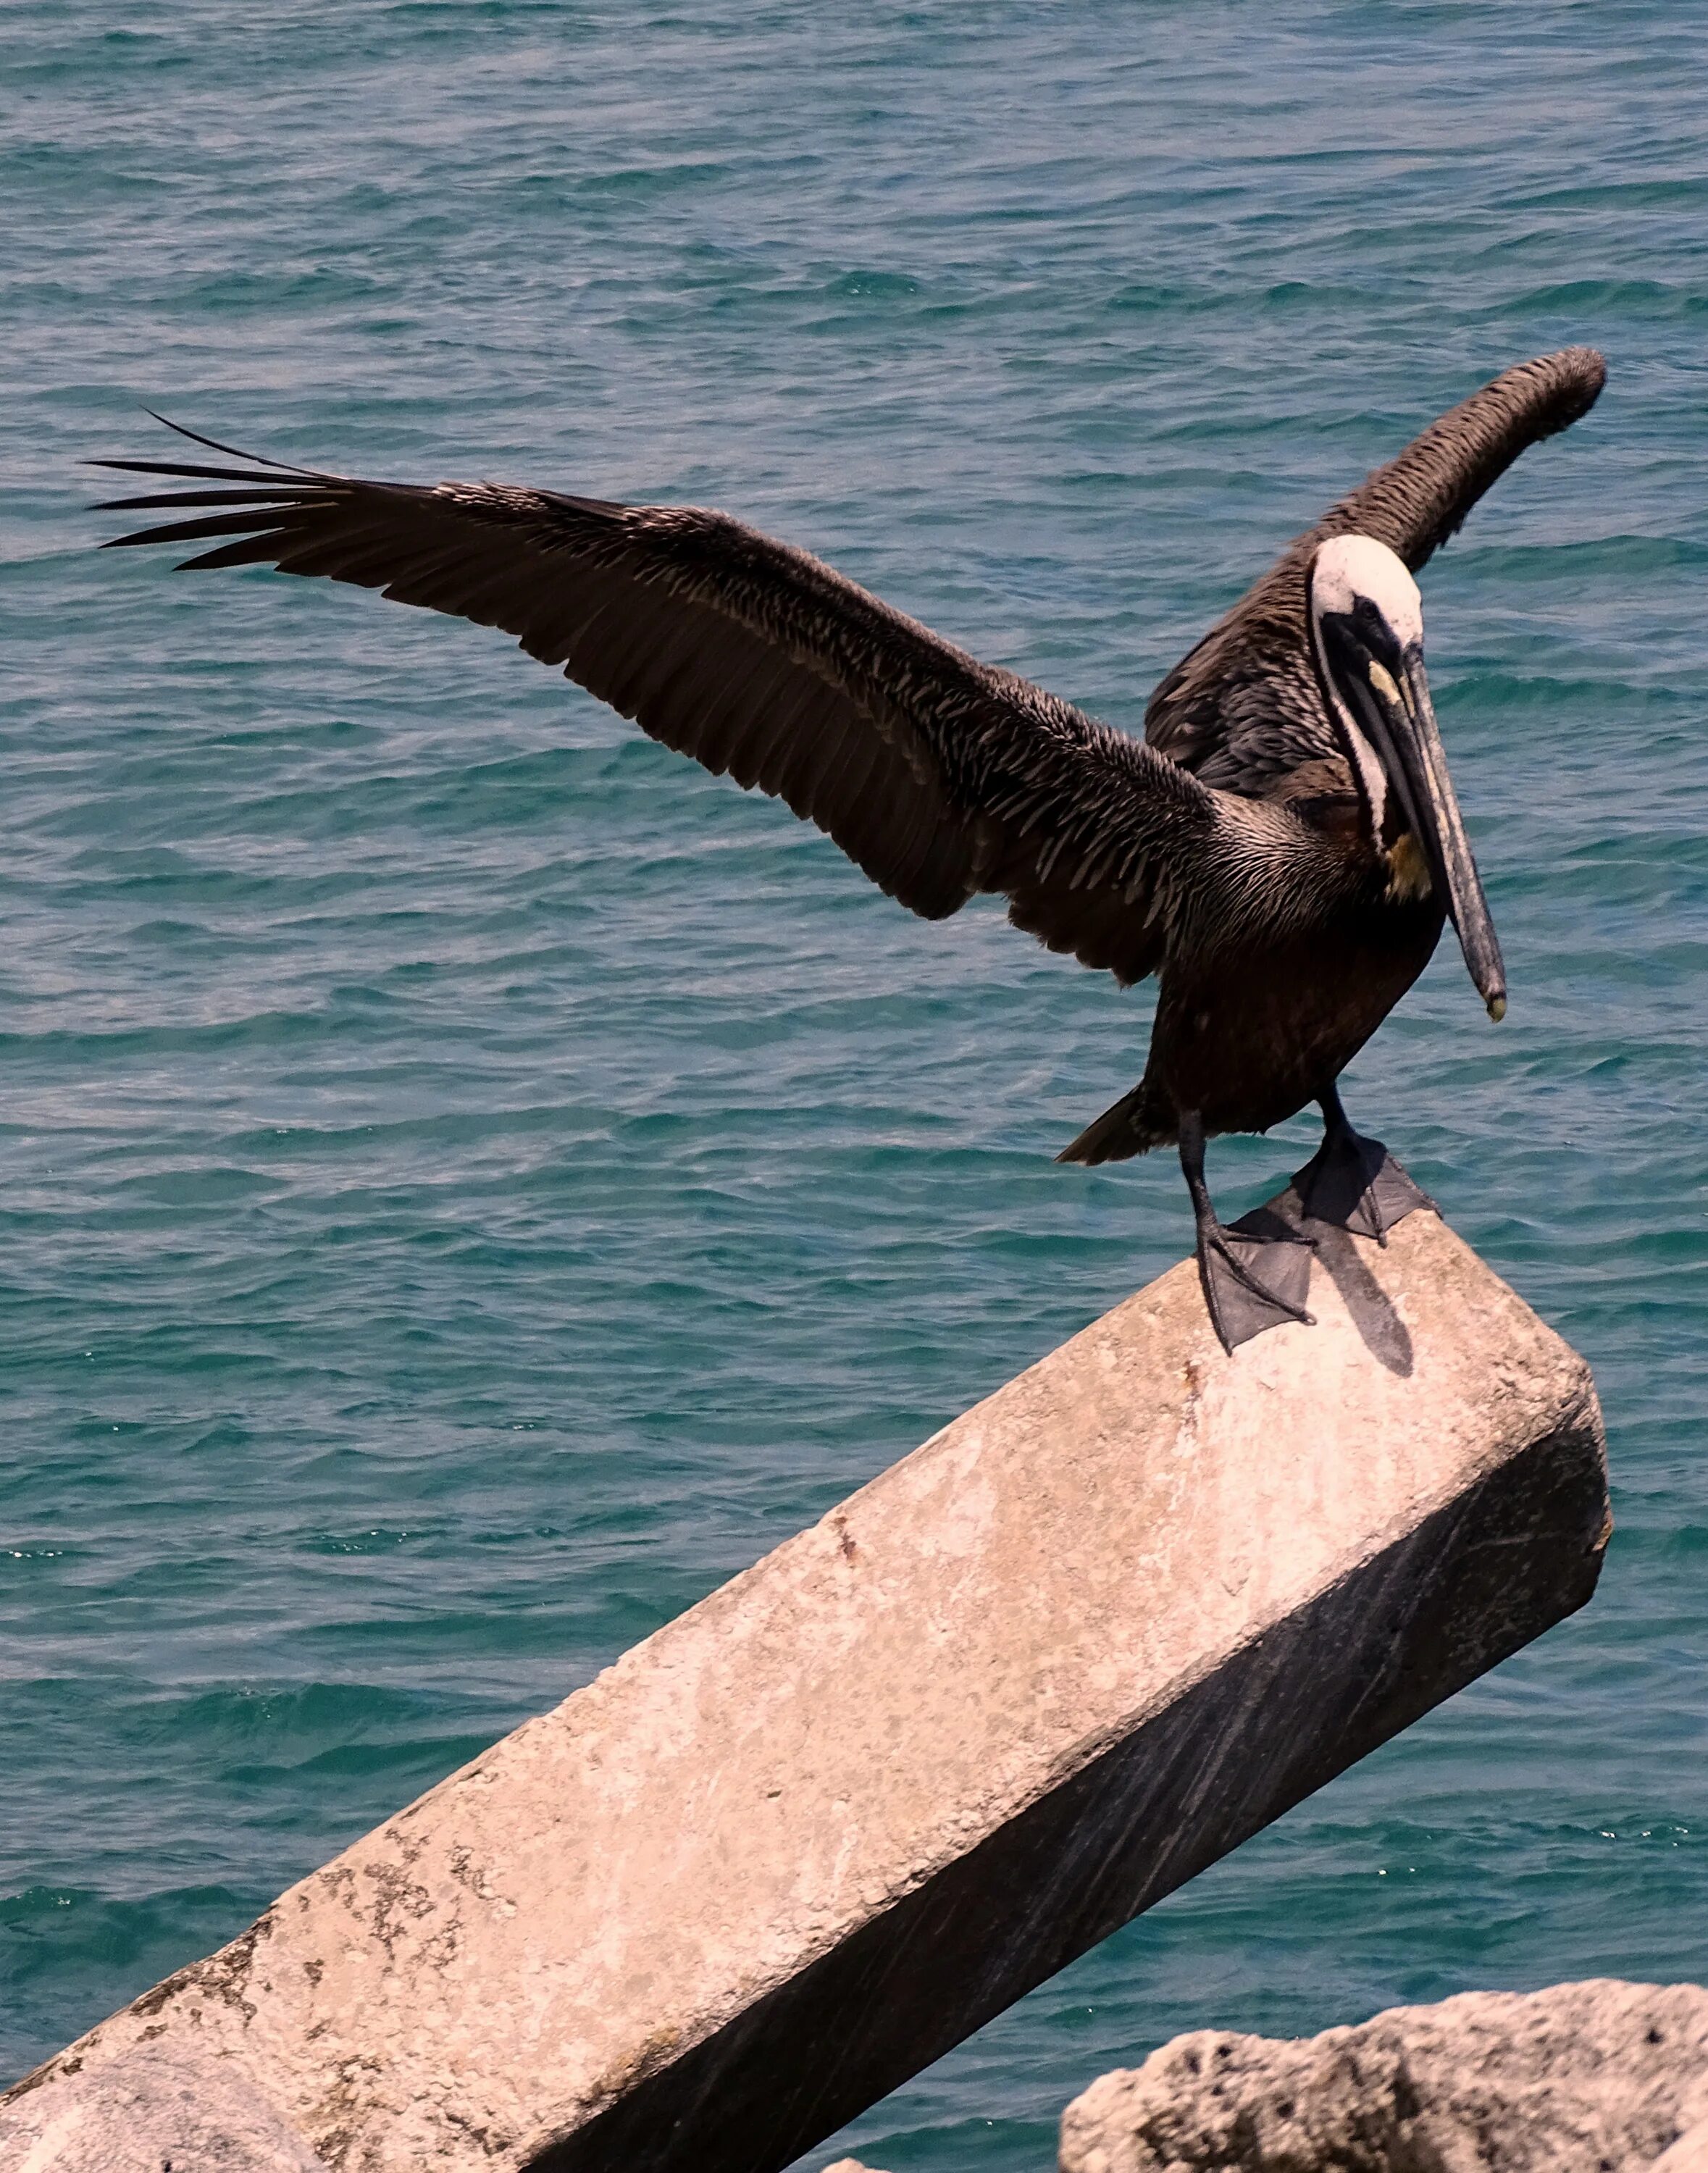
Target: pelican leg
[
  {"x": 1354, "y": 1183},
  {"x": 1241, "y": 1304}
]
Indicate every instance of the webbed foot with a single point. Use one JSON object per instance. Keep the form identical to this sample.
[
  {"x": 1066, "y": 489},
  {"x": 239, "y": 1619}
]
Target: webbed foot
[
  {"x": 1242, "y": 1302},
  {"x": 1356, "y": 1183}
]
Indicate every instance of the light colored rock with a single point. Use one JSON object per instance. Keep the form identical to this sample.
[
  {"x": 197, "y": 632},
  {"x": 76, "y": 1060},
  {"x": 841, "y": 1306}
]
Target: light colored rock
[
  {"x": 145, "y": 2110},
  {"x": 1689, "y": 2154},
  {"x": 850, "y": 2165},
  {"x": 784, "y": 1853},
  {"x": 1593, "y": 2078}
]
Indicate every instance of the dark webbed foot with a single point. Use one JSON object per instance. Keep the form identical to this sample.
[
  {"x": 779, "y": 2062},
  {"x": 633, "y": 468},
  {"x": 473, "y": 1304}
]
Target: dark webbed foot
[
  {"x": 1255, "y": 1276},
  {"x": 1353, "y": 1182}
]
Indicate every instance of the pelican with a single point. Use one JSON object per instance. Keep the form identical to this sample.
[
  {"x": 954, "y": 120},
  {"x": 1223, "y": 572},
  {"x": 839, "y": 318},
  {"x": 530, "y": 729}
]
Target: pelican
[{"x": 1282, "y": 848}]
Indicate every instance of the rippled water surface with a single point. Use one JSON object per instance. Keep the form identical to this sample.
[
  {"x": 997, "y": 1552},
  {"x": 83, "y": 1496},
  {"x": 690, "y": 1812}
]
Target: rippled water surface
[{"x": 469, "y": 1182}]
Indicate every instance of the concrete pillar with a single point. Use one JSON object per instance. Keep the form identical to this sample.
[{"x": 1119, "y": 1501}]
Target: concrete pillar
[{"x": 783, "y": 1854}]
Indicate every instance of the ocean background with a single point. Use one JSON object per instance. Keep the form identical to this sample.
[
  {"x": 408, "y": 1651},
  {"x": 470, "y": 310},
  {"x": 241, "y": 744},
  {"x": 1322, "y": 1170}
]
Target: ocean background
[{"x": 469, "y": 1182}]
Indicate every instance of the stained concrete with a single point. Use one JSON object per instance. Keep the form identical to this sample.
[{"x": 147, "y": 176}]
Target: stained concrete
[
  {"x": 149, "y": 2109},
  {"x": 782, "y": 1855},
  {"x": 1689, "y": 2154},
  {"x": 1601, "y": 2077}
]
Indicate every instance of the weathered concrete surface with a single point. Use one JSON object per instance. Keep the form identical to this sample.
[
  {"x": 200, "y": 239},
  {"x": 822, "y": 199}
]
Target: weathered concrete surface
[
  {"x": 1595, "y": 2078},
  {"x": 791, "y": 1848},
  {"x": 1689, "y": 2154},
  {"x": 145, "y": 2110}
]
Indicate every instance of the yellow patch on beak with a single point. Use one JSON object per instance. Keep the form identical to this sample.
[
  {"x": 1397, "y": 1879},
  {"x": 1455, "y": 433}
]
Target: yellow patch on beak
[
  {"x": 1382, "y": 680},
  {"x": 1408, "y": 874}
]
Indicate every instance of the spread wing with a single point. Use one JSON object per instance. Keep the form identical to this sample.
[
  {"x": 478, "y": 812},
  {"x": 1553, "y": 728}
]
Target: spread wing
[
  {"x": 938, "y": 775},
  {"x": 1241, "y": 710}
]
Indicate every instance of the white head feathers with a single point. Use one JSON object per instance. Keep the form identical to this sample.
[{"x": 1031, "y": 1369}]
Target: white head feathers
[
  {"x": 1349, "y": 575},
  {"x": 1349, "y": 567}
]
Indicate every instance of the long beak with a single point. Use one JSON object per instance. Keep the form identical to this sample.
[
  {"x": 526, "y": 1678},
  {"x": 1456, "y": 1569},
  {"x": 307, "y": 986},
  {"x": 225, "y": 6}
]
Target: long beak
[{"x": 1416, "y": 763}]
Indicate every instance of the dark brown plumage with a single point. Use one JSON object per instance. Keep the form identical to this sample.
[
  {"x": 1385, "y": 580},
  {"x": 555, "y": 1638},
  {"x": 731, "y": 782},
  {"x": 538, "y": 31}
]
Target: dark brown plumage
[
  {"x": 1242, "y": 707},
  {"x": 1235, "y": 848}
]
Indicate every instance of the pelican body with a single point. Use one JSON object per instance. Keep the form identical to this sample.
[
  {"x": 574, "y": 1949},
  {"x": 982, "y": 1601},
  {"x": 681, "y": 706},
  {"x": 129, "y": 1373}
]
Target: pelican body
[
  {"x": 1246, "y": 1035},
  {"x": 1283, "y": 848}
]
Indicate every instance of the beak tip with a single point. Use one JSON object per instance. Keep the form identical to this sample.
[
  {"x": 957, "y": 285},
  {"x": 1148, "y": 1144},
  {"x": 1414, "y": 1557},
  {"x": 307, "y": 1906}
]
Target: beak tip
[{"x": 1497, "y": 1008}]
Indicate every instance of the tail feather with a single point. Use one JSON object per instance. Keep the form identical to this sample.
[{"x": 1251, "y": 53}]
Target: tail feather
[{"x": 1137, "y": 1122}]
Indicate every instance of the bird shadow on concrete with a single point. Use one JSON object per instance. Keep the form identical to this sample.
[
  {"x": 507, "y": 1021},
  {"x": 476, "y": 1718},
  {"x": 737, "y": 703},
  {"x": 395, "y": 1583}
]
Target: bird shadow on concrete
[{"x": 1342, "y": 1256}]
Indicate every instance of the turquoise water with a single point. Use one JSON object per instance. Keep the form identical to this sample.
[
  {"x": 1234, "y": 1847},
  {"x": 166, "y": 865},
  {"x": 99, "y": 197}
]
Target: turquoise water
[{"x": 469, "y": 1182}]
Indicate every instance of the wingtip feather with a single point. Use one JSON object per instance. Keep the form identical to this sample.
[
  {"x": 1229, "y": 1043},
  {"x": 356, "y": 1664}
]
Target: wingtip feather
[{"x": 234, "y": 452}]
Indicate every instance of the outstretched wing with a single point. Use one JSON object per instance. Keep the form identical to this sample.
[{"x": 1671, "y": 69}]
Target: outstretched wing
[
  {"x": 1241, "y": 710},
  {"x": 940, "y": 776}
]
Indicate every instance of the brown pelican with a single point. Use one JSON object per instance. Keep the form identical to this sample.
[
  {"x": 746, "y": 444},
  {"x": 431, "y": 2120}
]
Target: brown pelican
[{"x": 1282, "y": 848}]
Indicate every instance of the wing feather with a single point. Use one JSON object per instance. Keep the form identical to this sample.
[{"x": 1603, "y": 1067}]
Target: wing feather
[
  {"x": 937, "y": 775},
  {"x": 1241, "y": 710}
]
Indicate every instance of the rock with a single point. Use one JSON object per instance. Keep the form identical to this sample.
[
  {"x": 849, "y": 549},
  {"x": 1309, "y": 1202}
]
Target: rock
[
  {"x": 1595, "y": 2078},
  {"x": 144, "y": 2112},
  {"x": 1689, "y": 2154},
  {"x": 850, "y": 2165}
]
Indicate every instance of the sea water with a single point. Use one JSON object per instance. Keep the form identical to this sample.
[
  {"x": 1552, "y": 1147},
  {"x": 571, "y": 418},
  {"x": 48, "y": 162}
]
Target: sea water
[{"x": 470, "y": 1182}]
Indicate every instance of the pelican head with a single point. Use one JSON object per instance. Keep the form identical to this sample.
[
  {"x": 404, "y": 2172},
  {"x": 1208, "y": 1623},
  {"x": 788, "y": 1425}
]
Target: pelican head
[{"x": 1366, "y": 631}]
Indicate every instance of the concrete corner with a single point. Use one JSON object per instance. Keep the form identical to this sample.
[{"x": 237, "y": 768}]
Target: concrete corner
[{"x": 146, "y": 2110}]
